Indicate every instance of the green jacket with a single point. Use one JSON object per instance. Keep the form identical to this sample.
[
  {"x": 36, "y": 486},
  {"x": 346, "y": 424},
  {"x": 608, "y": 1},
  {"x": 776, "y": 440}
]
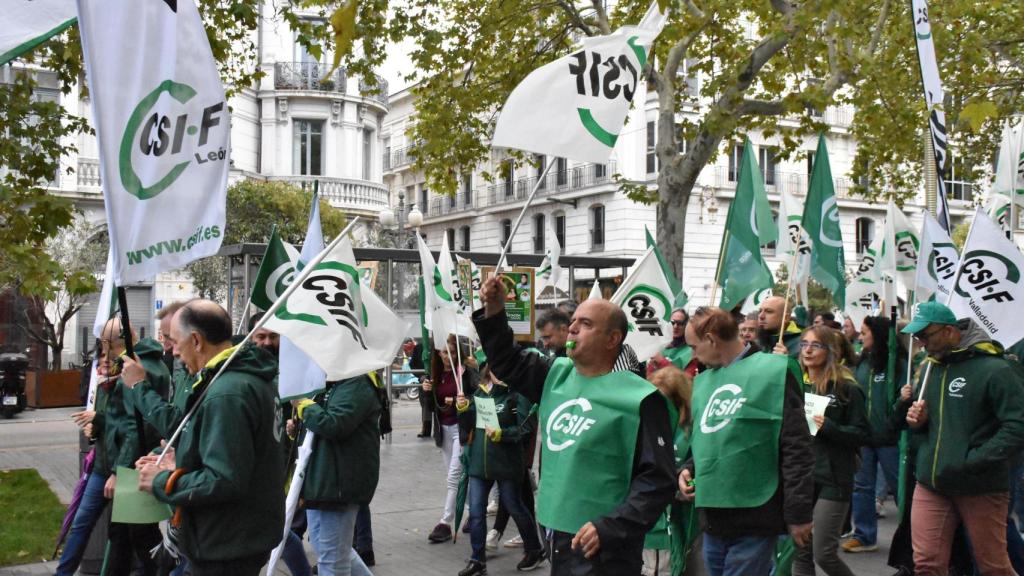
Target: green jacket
[
  {"x": 790, "y": 338},
  {"x": 157, "y": 383},
  {"x": 838, "y": 442},
  {"x": 232, "y": 491},
  {"x": 501, "y": 460},
  {"x": 345, "y": 464},
  {"x": 881, "y": 400},
  {"x": 975, "y": 420},
  {"x": 163, "y": 415}
]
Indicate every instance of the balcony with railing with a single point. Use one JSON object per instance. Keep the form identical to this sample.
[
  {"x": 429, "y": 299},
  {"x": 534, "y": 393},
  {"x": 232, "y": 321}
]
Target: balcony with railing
[
  {"x": 309, "y": 76},
  {"x": 88, "y": 174},
  {"x": 779, "y": 181},
  {"x": 556, "y": 181},
  {"x": 444, "y": 205},
  {"x": 377, "y": 92},
  {"x": 398, "y": 158},
  {"x": 361, "y": 196}
]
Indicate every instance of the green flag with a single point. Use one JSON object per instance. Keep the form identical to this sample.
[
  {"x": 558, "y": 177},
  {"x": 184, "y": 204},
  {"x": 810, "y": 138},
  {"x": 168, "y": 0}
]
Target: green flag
[
  {"x": 821, "y": 221},
  {"x": 680, "y": 295},
  {"x": 275, "y": 274},
  {"x": 742, "y": 271}
]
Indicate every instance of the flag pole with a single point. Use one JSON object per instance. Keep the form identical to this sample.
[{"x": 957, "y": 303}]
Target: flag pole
[
  {"x": 306, "y": 271},
  {"x": 789, "y": 288},
  {"x": 718, "y": 269},
  {"x": 519, "y": 219},
  {"x": 949, "y": 298}
]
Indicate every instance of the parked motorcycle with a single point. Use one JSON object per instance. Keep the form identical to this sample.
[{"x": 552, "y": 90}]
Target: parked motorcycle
[{"x": 13, "y": 366}]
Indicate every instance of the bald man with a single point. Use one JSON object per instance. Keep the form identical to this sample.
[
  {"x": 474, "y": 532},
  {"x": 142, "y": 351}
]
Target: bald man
[
  {"x": 608, "y": 464},
  {"x": 769, "y": 322},
  {"x": 227, "y": 473}
]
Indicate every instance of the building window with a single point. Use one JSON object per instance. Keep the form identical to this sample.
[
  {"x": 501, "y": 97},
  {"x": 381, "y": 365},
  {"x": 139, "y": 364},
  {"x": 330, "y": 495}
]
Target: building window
[
  {"x": 387, "y": 153},
  {"x": 367, "y": 151},
  {"x": 735, "y": 157},
  {"x": 507, "y": 172},
  {"x": 652, "y": 156},
  {"x": 542, "y": 162},
  {"x": 467, "y": 189},
  {"x": 769, "y": 248},
  {"x": 600, "y": 171},
  {"x": 538, "y": 234},
  {"x": 810, "y": 165},
  {"x": 562, "y": 167},
  {"x": 767, "y": 159},
  {"x": 307, "y": 151},
  {"x": 865, "y": 234},
  {"x": 560, "y": 229},
  {"x": 959, "y": 180},
  {"x": 597, "y": 227},
  {"x": 464, "y": 232},
  {"x": 424, "y": 197},
  {"x": 450, "y": 233},
  {"x": 506, "y": 231}
]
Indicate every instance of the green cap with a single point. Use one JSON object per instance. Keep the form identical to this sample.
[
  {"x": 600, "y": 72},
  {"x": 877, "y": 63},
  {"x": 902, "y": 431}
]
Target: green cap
[{"x": 930, "y": 313}]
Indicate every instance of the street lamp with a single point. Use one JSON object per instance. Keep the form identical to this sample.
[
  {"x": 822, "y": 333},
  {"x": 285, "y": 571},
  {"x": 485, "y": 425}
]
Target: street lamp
[{"x": 393, "y": 221}]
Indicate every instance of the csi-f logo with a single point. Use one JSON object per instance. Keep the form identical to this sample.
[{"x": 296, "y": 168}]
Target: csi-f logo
[
  {"x": 829, "y": 221},
  {"x": 797, "y": 238},
  {"x": 987, "y": 276},
  {"x": 168, "y": 144},
  {"x": 648, "y": 309},
  {"x": 608, "y": 77},
  {"x": 942, "y": 261},
  {"x": 867, "y": 263},
  {"x": 338, "y": 293},
  {"x": 906, "y": 248},
  {"x": 567, "y": 423},
  {"x": 724, "y": 403},
  {"x": 956, "y": 387}
]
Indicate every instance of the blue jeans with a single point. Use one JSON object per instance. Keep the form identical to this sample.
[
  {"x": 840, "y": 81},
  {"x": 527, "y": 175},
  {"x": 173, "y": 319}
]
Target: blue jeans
[
  {"x": 865, "y": 522},
  {"x": 330, "y": 532},
  {"x": 294, "y": 555},
  {"x": 89, "y": 511},
  {"x": 745, "y": 556},
  {"x": 508, "y": 491}
]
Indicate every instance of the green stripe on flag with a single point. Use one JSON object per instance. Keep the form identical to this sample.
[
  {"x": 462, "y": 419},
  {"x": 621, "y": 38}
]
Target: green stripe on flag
[{"x": 31, "y": 44}]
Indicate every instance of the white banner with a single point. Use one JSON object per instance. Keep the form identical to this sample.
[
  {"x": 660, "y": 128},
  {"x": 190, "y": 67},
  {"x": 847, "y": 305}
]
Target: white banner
[
  {"x": 646, "y": 297},
  {"x": 900, "y": 247},
  {"x": 938, "y": 262},
  {"x": 29, "y": 23},
  {"x": 575, "y": 107},
  {"x": 163, "y": 129},
  {"x": 989, "y": 288},
  {"x": 1009, "y": 177},
  {"x": 933, "y": 97}
]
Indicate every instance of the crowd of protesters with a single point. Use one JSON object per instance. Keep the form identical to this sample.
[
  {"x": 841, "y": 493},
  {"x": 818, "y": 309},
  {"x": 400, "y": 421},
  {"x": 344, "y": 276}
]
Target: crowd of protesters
[{"x": 702, "y": 460}]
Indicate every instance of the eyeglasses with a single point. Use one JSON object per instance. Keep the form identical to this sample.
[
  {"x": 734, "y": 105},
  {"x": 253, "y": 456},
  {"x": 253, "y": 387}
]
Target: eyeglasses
[
  {"x": 813, "y": 346},
  {"x": 924, "y": 337}
]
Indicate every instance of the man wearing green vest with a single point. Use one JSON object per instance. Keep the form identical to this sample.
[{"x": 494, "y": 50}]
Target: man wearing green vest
[
  {"x": 769, "y": 322},
  {"x": 752, "y": 467},
  {"x": 607, "y": 462}
]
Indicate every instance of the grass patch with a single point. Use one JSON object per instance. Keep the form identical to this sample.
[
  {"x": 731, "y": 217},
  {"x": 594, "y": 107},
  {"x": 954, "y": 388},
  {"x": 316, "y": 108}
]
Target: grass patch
[{"x": 30, "y": 516}]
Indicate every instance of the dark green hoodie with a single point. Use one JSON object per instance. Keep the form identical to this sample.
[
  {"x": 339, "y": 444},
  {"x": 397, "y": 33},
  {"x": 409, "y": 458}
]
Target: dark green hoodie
[
  {"x": 232, "y": 491},
  {"x": 501, "y": 460},
  {"x": 837, "y": 443},
  {"x": 151, "y": 355},
  {"x": 115, "y": 425},
  {"x": 975, "y": 419},
  {"x": 880, "y": 400},
  {"x": 345, "y": 464},
  {"x": 163, "y": 415}
]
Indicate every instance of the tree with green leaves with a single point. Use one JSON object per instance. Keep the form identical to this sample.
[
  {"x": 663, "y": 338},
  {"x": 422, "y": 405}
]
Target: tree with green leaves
[{"x": 253, "y": 208}]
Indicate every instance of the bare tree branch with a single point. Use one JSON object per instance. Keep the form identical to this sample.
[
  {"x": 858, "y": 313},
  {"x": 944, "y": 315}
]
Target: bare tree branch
[
  {"x": 782, "y": 7},
  {"x": 602, "y": 17},
  {"x": 876, "y": 34},
  {"x": 693, "y": 9},
  {"x": 574, "y": 16}
]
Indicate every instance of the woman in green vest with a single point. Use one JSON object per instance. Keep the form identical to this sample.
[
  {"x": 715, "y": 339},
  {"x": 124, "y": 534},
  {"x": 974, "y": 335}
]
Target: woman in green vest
[{"x": 838, "y": 435}]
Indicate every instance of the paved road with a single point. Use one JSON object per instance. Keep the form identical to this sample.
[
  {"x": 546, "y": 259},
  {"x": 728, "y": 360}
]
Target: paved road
[{"x": 407, "y": 504}]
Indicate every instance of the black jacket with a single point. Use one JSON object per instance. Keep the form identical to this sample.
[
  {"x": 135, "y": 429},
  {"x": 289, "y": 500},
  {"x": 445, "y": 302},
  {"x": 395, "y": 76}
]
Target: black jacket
[
  {"x": 470, "y": 381},
  {"x": 653, "y": 482},
  {"x": 793, "y": 501}
]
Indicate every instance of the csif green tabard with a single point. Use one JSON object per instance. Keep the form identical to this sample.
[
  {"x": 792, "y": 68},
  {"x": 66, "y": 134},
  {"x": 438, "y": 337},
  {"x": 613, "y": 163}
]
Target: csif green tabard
[
  {"x": 589, "y": 430},
  {"x": 737, "y": 418}
]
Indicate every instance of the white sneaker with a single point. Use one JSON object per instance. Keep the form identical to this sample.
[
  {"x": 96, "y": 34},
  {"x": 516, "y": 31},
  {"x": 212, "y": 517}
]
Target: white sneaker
[
  {"x": 492, "y": 508},
  {"x": 493, "y": 537},
  {"x": 514, "y": 542}
]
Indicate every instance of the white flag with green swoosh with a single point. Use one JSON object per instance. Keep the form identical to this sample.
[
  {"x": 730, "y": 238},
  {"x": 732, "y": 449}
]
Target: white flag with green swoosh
[
  {"x": 899, "y": 251},
  {"x": 938, "y": 262},
  {"x": 163, "y": 129},
  {"x": 646, "y": 297},
  {"x": 575, "y": 107},
  {"x": 344, "y": 327},
  {"x": 29, "y": 23}
]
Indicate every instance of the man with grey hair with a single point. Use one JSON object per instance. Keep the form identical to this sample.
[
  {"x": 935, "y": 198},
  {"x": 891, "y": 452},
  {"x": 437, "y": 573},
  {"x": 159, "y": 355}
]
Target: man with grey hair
[{"x": 228, "y": 470}]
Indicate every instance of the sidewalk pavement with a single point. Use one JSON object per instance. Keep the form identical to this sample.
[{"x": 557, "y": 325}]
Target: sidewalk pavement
[{"x": 407, "y": 505}]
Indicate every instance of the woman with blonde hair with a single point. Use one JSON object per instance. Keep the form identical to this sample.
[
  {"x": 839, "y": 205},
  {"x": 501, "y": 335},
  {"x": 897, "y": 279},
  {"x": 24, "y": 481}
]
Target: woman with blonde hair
[{"x": 838, "y": 435}]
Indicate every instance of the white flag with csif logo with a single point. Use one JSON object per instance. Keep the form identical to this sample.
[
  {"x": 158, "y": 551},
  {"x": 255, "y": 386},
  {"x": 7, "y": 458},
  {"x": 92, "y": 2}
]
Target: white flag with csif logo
[
  {"x": 938, "y": 262},
  {"x": 646, "y": 297},
  {"x": 899, "y": 250},
  {"x": 163, "y": 129},
  {"x": 343, "y": 326},
  {"x": 575, "y": 106},
  {"x": 988, "y": 287}
]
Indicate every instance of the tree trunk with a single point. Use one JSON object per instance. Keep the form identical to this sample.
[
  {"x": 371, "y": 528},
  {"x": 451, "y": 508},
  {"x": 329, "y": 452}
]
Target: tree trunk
[{"x": 56, "y": 350}]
